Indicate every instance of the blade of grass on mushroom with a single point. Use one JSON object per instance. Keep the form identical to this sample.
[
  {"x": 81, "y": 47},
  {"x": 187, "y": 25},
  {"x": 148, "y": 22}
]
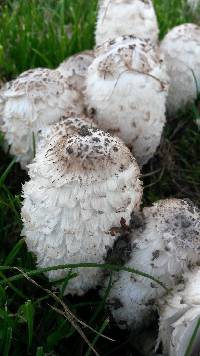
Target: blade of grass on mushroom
[
  {"x": 192, "y": 340},
  {"x": 80, "y": 265}
]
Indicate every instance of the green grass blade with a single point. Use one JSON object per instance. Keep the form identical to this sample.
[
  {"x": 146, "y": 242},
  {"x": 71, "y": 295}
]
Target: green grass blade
[
  {"x": 4, "y": 314},
  {"x": 46, "y": 61},
  {"x": 28, "y": 312},
  {"x": 8, "y": 341},
  {"x": 14, "y": 252},
  {"x": 40, "y": 351},
  {"x": 105, "y": 266},
  {"x": 9, "y": 283},
  {"x": 192, "y": 340},
  {"x": 34, "y": 144},
  {"x": 6, "y": 172},
  {"x": 101, "y": 330},
  {"x": 103, "y": 301}
]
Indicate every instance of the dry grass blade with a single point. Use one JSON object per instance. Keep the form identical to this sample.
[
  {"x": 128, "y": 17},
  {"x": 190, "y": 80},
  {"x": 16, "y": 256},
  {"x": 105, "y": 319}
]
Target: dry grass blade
[
  {"x": 83, "y": 324},
  {"x": 67, "y": 312}
]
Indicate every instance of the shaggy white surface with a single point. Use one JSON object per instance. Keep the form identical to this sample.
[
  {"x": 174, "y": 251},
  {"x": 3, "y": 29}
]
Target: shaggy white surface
[
  {"x": 165, "y": 246},
  {"x": 181, "y": 47},
  {"x": 84, "y": 184},
  {"x": 36, "y": 99},
  {"x": 127, "y": 87},
  {"x": 179, "y": 316},
  {"x": 75, "y": 69},
  {"x": 122, "y": 17}
]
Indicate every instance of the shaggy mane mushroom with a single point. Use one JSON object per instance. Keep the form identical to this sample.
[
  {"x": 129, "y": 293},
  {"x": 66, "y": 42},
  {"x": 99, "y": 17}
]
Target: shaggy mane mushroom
[
  {"x": 122, "y": 17},
  {"x": 181, "y": 47},
  {"x": 127, "y": 88},
  {"x": 36, "y": 99},
  {"x": 165, "y": 245},
  {"x": 84, "y": 185}
]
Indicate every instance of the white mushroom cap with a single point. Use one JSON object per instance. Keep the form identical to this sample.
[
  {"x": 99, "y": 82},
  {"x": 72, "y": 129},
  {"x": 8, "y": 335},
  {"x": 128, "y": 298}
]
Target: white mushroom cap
[
  {"x": 72, "y": 123},
  {"x": 122, "y": 17},
  {"x": 179, "y": 316},
  {"x": 181, "y": 47},
  {"x": 36, "y": 99},
  {"x": 84, "y": 185},
  {"x": 75, "y": 69},
  {"x": 127, "y": 89},
  {"x": 165, "y": 246}
]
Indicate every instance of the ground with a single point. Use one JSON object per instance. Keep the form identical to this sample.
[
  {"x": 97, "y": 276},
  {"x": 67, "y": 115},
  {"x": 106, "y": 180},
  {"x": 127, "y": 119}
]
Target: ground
[{"x": 32, "y": 320}]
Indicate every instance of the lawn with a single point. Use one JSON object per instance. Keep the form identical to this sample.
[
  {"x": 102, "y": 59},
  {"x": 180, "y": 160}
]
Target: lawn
[{"x": 34, "y": 320}]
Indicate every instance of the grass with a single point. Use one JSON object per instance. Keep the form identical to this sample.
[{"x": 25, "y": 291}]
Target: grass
[
  {"x": 33, "y": 320},
  {"x": 42, "y": 33}
]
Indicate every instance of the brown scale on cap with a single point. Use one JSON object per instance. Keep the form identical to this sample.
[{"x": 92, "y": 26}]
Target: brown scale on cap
[
  {"x": 79, "y": 147},
  {"x": 76, "y": 67}
]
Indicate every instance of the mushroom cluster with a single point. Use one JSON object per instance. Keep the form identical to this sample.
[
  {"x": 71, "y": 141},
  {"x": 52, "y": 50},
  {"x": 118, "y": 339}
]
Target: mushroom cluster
[{"x": 91, "y": 123}]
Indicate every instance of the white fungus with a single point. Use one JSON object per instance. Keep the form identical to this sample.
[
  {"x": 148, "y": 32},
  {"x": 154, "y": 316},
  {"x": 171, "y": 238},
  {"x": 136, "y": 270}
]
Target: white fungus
[
  {"x": 181, "y": 47},
  {"x": 36, "y": 99},
  {"x": 122, "y": 17},
  {"x": 127, "y": 87},
  {"x": 75, "y": 69},
  {"x": 165, "y": 245},
  {"x": 180, "y": 315},
  {"x": 84, "y": 185}
]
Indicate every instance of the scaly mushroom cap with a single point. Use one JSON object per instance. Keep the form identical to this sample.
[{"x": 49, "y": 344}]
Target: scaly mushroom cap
[
  {"x": 84, "y": 185},
  {"x": 122, "y": 17},
  {"x": 179, "y": 315},
  {"x": 181, "y": 47},
  {"x": 75, "y": 69},
  {"x": 126, "y": 92},
  {"x": 68, "y": 124},
  {"x": 36, "y": 99},
  {"x": 164, "y": 246}
]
